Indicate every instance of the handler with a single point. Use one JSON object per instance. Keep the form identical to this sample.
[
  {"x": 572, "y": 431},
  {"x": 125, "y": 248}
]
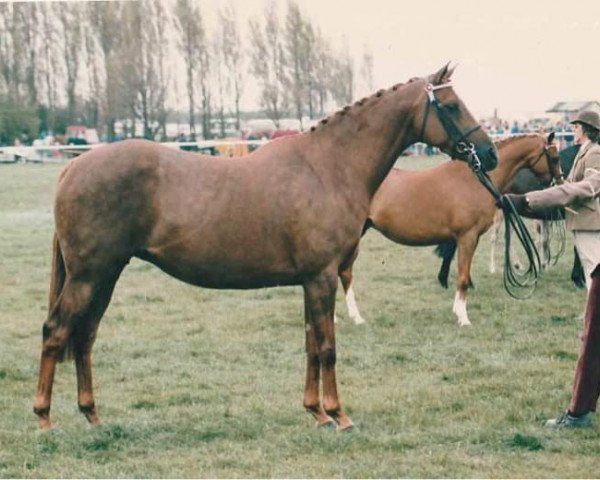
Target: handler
[{"x": 579, "y": 197}]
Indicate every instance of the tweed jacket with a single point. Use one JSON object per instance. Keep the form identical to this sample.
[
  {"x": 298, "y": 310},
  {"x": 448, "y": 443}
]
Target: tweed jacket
[{"x": 579, "y": 193}]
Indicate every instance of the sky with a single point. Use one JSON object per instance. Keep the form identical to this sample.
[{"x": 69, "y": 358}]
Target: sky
[{"x": 516, "y": 57}]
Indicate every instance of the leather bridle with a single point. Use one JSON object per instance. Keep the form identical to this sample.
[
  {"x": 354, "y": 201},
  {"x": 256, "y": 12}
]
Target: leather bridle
[{"x": 461, "y": 147}]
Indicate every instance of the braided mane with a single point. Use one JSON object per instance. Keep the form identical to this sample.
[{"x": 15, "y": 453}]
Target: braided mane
[{"x": 359, "y": 103}]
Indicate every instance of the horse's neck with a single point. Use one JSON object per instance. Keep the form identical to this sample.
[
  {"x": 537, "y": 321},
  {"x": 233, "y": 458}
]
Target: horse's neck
[
  {"x": 366, "y": 144},
  {"x": 512, "y": 159}
]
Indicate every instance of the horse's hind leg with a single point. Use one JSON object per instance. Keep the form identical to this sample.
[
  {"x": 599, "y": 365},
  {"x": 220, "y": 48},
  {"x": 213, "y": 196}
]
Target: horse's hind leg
[
  {"x": 68, "y": 323},
  {"x": 84, "y": 335},
  {"x": 69, "y": 308},
  {"x": 466, "y": 249}
]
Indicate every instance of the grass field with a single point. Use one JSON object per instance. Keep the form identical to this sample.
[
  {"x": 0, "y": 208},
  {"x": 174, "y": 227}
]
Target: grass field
[{"x": 201, "y": 383}]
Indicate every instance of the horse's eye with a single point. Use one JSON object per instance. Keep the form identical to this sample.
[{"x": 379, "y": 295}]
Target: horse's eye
[{"x": 453, "y": 107}]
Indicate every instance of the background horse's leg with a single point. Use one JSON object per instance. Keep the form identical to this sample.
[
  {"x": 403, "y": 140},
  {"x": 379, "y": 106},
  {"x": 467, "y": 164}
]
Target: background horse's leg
[
  {"x": 320, "y": 303},
  {"x": 346, "y": 278},
  {"x": 466, "y": 248},
  {"x": 70, "y": 308},
  {"x": 84, "y": 335},
  {"x": 577, "y": 275},
  {"x": 446, "y": 251},
  {"x": 498, "y": 217},
  {"x": 541, "y": 229}
]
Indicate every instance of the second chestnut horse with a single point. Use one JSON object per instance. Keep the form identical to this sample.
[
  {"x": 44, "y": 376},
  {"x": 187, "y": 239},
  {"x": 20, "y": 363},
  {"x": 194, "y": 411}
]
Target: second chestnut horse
[{"x": 447, "y": 203}]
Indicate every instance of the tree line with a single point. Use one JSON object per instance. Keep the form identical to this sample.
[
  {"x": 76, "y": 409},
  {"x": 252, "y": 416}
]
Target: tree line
[{"x": 144, "y": 63}]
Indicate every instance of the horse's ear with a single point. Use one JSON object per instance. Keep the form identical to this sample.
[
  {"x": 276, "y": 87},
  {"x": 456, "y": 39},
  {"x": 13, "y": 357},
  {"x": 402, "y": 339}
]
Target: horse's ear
[
  {"x": 443, "y": 75},
  {"x": 550, "y": 138}
]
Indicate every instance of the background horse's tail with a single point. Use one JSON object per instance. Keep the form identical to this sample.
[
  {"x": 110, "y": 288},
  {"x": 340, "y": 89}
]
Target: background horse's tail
[
  {"x": 57, "y": 282},
  {"x": 445, "y": 251}
]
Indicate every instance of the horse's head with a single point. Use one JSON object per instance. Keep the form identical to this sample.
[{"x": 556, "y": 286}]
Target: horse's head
[
  {"x": 543, "y": 159},
  {"x": 553, "y": 159},
  {"x": 536, "y": 157},
  {"x": 443, "y": 120}
]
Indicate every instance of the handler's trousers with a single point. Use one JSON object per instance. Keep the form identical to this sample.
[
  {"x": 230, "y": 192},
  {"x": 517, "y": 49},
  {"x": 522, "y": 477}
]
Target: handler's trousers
[{"x": 586, "y": 388}]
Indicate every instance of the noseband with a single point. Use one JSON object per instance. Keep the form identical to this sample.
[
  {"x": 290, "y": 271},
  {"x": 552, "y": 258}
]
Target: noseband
[{"x": 461, "y": 145}]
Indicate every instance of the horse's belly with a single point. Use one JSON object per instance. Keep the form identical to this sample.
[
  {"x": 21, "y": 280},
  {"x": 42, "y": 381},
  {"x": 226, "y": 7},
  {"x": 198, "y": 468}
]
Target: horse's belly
[
  {"x": 215, "y": 272},
  {"x": 417, "y": 234}
]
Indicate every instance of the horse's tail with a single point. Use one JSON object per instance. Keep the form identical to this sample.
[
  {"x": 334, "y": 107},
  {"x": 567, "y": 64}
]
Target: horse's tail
[
  {"x": 445, "y": 251},
  {"x": 57, "y": 282}
]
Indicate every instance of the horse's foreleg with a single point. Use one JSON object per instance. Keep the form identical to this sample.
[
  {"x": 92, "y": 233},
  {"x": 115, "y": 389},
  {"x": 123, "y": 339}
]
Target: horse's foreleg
[
  {"x": 498, "y": 216},
  {"x": 312, "y": 400},
  {"x": 320, "y": 303},
  {"x": 466, "y": 248}
]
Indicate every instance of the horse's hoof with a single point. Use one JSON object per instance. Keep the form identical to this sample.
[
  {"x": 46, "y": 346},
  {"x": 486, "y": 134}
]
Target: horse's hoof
[
  {"x": 45, "y": 424},
  {"x": 359, "y": 321},
  {"x": 347, "y": 429},
  {"x": 327, "y": 424}
]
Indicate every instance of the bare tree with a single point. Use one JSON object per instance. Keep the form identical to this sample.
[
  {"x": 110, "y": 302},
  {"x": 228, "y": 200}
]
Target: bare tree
[
  {"x": 309, "y": 66},
  {"x": 48, "y": 62},
  {"x": 204, "y": 59},
  {"x": 10, "y": 38},
  {"x": 322, "y": 67},
  {"x": 18, "y": 88},
  {"x": 191, "y": 36},
  {"x": 105, "y": 24},
  {"x": 366, "y": 69},
  {"x": 140, "y": 68},
  {"x": 268, "y": 63},
  {"x": 295, "y": 77},
  {"x": 342, "y": 78},
  {"x": 221, "y": 81},
  {"x": 70, "y": 20},
  {"x": 26, "y": 15},
  {"x": 93, "y": 68},
  {"x": 164, "y": 21},
  {"x": 232, "y": 56}
]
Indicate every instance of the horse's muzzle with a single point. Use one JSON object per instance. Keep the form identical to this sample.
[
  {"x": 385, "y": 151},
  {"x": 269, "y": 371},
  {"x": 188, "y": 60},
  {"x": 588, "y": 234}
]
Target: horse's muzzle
[{"x": 488, "y": 156}]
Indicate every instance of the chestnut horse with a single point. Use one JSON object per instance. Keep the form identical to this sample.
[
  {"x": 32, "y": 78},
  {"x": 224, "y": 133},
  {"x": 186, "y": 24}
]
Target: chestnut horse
[
  {"x": 290, "y": 213},
  {"x": 447, "y": 203}
]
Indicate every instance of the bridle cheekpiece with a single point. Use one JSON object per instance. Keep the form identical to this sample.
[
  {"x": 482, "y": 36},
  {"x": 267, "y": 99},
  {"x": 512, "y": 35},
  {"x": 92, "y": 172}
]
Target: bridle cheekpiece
[{"x": 460, "y": 145}]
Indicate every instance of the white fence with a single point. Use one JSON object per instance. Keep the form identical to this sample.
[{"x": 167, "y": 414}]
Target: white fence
[{"x": 61, "y": 153}]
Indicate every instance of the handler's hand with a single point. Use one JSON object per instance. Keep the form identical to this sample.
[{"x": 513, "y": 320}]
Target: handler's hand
[{"x": 519, "y": 202}]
